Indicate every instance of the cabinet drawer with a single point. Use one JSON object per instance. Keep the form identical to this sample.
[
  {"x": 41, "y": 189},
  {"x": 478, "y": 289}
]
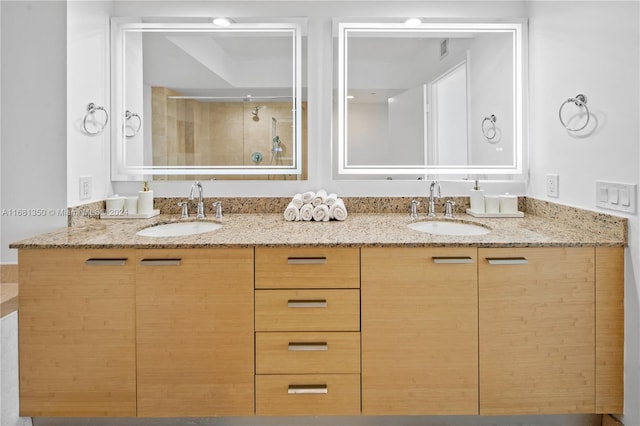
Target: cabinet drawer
[
  {"x": 308, "y": 395},
  {"x": 307, "y": 267},
  {"x": 308, "y": 310},
  {"x": 307, "y": 353}
]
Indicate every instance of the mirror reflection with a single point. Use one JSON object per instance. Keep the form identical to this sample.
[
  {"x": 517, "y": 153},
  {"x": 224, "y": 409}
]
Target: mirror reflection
[
  {"x": 210, "y": 102},
  {"x": 436, "y": 98}
]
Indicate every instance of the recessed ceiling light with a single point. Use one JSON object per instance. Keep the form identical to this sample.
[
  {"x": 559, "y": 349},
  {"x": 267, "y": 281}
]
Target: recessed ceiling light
[
  {"x": 413, "y": 22},
  {"x": 222, "y": 22},
  {"x": 350, "y": 97}
]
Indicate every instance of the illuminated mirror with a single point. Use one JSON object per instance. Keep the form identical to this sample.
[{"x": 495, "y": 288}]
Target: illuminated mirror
[
  {"x": 195, "y": 100},
  {"x": 433, "y": 98}
]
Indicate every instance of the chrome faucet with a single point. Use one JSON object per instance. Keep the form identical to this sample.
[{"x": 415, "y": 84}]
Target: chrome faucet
[
  {"x": 200, "y": 210},
  {"x": 432, "y": 203}
]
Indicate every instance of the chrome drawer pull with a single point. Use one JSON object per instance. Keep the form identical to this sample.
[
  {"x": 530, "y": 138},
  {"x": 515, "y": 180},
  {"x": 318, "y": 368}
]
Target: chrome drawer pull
[
  {"x": 306, "y": 260},
  {"x": 308, "y": 389},
  {"x": 507, "y": 260},
  {"x": 106, "y": 262},
  {"x": 311, "y": 346},
  {"x": 320, "y": 303},
  {"x": 462, "y": 259},
  {"x": 160, "y": 262}
]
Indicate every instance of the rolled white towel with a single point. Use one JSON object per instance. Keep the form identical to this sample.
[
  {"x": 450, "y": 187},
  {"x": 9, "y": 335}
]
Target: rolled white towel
[
  {"x": 306, "y": 212},
  {"x": 321, "y": 195},
  {"x": 338, "y": 211},
  {"x": 308, "y": 196},
  {"x": 291, "y": 213},
  {"x": 331, "y": 199},
  {"x": 321, "y": 213},
  {"x": 297, "y": 200}
]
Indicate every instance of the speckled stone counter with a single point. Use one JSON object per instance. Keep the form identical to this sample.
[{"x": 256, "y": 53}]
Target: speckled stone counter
[{"x": 360, "y": 229}]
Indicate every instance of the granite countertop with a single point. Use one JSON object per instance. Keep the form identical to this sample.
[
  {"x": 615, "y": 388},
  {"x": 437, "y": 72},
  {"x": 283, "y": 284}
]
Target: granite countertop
[{"x": 359, "y": 230}]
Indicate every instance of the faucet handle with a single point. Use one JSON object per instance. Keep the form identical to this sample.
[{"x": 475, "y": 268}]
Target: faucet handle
[
  {"x": 448, "y": 208},
  {"x": 414, "y": 209},
  {"x": 200, "y": 210},
  {"x": 185, "y": 209},
  {"x": 218, "y": 207}
]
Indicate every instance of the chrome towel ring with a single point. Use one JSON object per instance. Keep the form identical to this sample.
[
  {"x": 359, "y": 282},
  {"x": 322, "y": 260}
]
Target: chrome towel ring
[
  {"x": 128, "y": 115},
  {"x": 91, "y": 109},
  {"x": 489, "y": 131},
  {"x": 580, "y": 101}
]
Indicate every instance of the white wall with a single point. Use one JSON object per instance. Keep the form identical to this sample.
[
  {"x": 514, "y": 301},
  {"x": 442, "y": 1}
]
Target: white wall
[
  {"x": 407, "y": 122},
  {"x": 488, "y": 72},
  {"x": 87, "y": 81},
  {"x": 34, "y": 130},
  {"x": 590, "y": 48},
  {"x": 369, "y": 134}
]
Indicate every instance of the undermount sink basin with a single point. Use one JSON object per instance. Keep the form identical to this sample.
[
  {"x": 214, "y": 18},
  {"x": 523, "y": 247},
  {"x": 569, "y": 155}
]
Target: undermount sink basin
[
  {"x": 439, "y": 227},
  {"x": 179, "y": 229}
]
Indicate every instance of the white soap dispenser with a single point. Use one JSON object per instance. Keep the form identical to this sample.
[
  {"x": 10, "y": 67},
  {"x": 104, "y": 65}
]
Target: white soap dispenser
[
  {"x": 145, "y": 200},
  {"x": 477, "y": 199}
]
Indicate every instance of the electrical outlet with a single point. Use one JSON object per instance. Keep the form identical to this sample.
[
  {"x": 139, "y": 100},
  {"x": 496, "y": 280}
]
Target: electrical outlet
[
  {"x": 85, "y": 187},
  {"x": 552, "y": 186}
]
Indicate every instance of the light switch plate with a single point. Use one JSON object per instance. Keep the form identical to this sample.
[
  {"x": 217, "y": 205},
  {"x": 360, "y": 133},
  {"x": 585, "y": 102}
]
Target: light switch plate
[{"x": 616, "y": 196}]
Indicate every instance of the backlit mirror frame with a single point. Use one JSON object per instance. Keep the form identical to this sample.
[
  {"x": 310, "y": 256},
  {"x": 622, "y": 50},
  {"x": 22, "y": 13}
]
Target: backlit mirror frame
[
  {"x": 120, "y": 27},
  {"x": 344, "y": 27}
]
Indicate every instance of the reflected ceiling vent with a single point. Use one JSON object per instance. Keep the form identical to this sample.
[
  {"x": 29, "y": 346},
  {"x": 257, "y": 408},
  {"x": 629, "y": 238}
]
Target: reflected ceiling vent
[{"x": 444, "y": 48}]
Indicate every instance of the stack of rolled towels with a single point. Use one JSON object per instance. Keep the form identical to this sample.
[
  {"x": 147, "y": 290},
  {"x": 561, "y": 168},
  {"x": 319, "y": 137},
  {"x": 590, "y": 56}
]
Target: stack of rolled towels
[{"x": 318, "y": 206}]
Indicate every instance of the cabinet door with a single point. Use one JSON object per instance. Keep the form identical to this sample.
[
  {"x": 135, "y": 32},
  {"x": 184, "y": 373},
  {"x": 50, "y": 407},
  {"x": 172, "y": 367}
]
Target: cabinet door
[
  {"x": 537, "y": 330},
  {"x": 77, "y": 333},
  {"x": 194, "y": 317},
  {"x": 419, "y": 331}
]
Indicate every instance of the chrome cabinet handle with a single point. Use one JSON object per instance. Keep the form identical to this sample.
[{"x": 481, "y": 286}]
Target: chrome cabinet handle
[
  {"x": 307, "y": 389},
  {"x": 320, "y": 303},
  {"x": 310, "y": 346},
  {"x": 106, "y": 262},
  {"x": 307, "y": 260},
  {"x": 507, "y": 260},
  {"x": 160, "y": 262},
  {"x": 461, "y": 259}
]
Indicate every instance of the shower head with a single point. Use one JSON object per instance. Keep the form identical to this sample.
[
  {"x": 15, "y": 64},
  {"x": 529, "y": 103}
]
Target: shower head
[{"x": 254, "y": 112}]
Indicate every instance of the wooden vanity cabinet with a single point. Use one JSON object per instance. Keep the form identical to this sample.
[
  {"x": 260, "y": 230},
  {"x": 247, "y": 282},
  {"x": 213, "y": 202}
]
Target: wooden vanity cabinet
[
  {"x": 77, "y": 332},
  {"x": 307, "y": 322},
  {"x": 419, "y": 331},
  {"x": 195, "y": 341},
  {"x": 337, "y": 331},
  {"x": 537, "y": 330}
]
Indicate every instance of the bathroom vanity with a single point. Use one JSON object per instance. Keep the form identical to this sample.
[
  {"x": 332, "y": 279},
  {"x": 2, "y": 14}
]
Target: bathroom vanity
[{"x": 363, "y": 317}]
